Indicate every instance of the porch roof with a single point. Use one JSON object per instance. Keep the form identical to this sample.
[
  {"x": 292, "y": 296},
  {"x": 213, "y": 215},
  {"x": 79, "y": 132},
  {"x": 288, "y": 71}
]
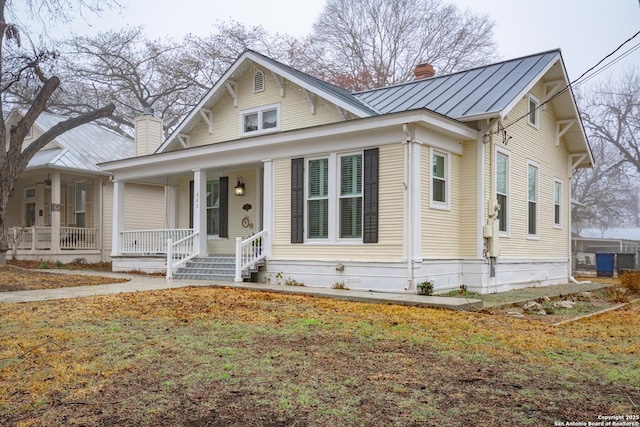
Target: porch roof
[{"x": 334, "y": 136}]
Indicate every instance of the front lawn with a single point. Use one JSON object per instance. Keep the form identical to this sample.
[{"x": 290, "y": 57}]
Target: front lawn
[{"x": 228, "y": 357}]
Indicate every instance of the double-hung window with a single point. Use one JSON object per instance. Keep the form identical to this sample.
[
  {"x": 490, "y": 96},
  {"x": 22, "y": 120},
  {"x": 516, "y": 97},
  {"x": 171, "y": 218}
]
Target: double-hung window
[
  {"x": 533, "y": 112},
  {"x": 502, "y": 189},
  {"x": 257, "y": 120},
  {"x": 532, "y": 200},
  {"x": 213, "y": 208},
  {"x": 318, "y": 199},
  {"x": 30, "y": 207},
  {"x": 351, "y": 196},
  {"x": 557, "y": 202},
  {"x": 439, "y": 180},
  {"x": 81, "y": 204},
  {"x": 335, "y": 198}
]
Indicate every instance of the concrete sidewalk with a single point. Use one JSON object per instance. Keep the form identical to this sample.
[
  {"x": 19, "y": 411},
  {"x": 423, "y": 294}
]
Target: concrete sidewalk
[{"x": 141, "y": 283}]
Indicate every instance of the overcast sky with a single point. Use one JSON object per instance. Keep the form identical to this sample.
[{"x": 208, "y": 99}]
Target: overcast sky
[{"x": 585, "y": 30}]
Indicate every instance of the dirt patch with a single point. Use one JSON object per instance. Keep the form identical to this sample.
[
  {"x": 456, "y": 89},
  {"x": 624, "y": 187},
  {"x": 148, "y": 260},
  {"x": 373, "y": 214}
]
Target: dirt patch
[
  {"x": 80, "y": 264},
  {"x": 14, "y": 278}
]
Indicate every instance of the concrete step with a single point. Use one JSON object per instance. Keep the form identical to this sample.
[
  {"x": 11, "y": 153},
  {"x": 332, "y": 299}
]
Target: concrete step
[{"x": 218, "y": 268}]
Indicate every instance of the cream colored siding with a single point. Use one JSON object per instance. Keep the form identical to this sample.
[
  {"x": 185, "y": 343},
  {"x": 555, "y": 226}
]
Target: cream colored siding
[
  {"x": 441, "y": 228},
  {"x": 144, "y": 207},
  {"x": 107, "y": 218},
  {"x": 295, "y": 109},
  {"x": 390, "y": 225},
  {"x": 537, "y": 145},
  {"x": 468, "y": 201}
]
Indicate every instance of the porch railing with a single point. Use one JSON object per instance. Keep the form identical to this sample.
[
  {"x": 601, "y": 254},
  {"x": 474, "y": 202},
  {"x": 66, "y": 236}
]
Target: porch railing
[
  {"x": 248, "y": 253},
  {"x": 181, "y": 251},
  {"x": 151, "y": 242},
  {"x": 39, "y": 238},
  {"x": 78, "y": 238}
]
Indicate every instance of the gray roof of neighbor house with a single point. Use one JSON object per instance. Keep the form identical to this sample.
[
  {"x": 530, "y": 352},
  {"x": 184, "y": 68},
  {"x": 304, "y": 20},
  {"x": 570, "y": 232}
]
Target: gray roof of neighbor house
[
  {"x": 481, "y": 91},
  {"x": 81, "y": 148},
  {"x": 631, "y": 233}
]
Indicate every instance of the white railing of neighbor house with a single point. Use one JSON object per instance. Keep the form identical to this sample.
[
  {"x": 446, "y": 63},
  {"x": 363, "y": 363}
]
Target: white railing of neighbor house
[
  {"x": 150, "y": 242},
  {"x": 181, "y": 251},
  {"x": 38, "y": 238},
  {"x": 248, "y": 253},
  {"x": 78, "y": 238}
]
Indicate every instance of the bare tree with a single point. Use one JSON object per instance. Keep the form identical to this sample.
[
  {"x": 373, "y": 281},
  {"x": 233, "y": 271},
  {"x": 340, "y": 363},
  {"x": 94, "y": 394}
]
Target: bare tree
[
  {"x": 361, "y": 44},
  {"x": 613, "y": 115},
  {"x": 609, "y": 192},
  {"x": 605, "y": 195},
  {"x": 28, "y": 68},
  {"x": 131, "y": 71}
]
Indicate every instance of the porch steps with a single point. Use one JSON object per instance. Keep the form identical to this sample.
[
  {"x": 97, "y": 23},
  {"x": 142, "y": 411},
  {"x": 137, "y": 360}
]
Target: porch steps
[{"x": 221, "y": 268}]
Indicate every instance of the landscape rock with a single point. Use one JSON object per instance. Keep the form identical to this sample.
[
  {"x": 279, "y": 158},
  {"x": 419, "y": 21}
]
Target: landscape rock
[
  {"x": 546, "y": 298},
  {"x": 532, "y": 307},
  {"x": 564, "y": 304},
  {"x": 515, "y": 314},
  {"x": 584, "y": 296}
]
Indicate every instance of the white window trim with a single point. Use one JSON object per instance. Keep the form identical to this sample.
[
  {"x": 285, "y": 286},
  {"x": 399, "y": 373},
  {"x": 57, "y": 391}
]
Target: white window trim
[
  {"x": 557, "y": 225},
  {"x": 531, "y": 163},
  {"x": 259, "y": 111},
  {"x": 507, "y": 154},
  {"x": 75, "y": 202},
  {"x": 338, "y": 197},
  {"x": 447, "y": 183},
  {"x": 533, "y": 98},
  {"x": 330, "y": 192},
  {"x": 333, "y": 195},
  {"x": 206, "y": 208}
]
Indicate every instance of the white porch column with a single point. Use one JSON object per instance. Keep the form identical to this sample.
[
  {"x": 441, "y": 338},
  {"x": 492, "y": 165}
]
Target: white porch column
[
  {"x": 200, "y": 210},
  {"x": 55, "y": 212},
  {"x": 118, "y": 218},
  {"x": 171, "y": 201},
  {"x": 267, "y": 207}
]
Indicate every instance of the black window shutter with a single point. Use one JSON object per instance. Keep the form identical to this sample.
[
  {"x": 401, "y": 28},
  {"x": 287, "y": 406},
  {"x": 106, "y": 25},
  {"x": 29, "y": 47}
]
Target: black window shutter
[
  {"x": 370, "y": 209},
  {"x": 190, "y": 204},
  {"x": 224, "y": 207},
  {"x": 297, "y": 200}
]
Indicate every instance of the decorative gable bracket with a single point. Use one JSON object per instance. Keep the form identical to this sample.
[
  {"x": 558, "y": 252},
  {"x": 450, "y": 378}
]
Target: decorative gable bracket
[
  {"x": 551, "y": 88},
  {"x": 184, "y": 140},
  {"x": 280, "y": 82},
  {"x": 207, "y": 116},
  {"x": 311, "y": 98},
  {"x": 562, "y": 126},
  {"x": 232, "y": 88}
]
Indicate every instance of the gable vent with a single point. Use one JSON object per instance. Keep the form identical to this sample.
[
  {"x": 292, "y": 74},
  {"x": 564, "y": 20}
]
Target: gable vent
[{"x": 258, "y": 81}]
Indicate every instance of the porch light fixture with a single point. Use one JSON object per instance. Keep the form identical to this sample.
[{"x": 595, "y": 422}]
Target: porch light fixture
[{"x": 239, "y": 187}]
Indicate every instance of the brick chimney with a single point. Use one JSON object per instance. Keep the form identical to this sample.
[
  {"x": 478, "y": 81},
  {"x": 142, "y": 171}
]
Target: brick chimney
[
  {"x": 148, "y": 133},
  {"x": 424, "y": 71}
]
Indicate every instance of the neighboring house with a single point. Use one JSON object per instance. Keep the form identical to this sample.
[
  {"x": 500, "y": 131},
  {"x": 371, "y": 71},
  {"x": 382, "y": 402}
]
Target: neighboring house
[
  {"x": 60, "y": 207},
  {"x": 456, "y": 179},
  {"x": 591, "y": 241}
]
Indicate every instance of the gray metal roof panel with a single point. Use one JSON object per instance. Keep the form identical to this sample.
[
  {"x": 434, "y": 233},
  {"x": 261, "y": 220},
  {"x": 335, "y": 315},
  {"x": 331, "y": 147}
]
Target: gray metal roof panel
[
  {"x": 84, "y": 146},
  {"x": 481, "y": 90}
]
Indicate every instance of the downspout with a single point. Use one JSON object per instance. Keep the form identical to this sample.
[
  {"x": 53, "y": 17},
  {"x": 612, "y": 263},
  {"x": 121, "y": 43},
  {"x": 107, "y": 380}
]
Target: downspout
[
  {"x": 101, "y": 218},
  {"x": 408, "y": 206}
]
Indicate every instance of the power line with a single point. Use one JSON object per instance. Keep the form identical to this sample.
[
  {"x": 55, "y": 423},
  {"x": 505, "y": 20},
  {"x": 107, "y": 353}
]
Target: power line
[{"x": 577, "y": 81}]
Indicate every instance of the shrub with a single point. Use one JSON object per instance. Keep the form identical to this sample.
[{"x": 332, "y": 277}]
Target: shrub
[
  {"x": 339, "y": 285},
  {"x": 630, "y": 280},
  {"x": 425, "y": 288}
]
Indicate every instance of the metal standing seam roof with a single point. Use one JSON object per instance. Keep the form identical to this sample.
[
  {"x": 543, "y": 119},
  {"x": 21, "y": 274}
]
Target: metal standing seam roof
[
  {"x": 83, "y": 147},
  {"x": 482, "y": 90}
]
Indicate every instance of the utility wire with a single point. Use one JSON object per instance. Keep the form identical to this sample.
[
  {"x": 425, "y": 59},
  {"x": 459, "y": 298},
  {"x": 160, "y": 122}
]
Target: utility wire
[{"x": 577, "y": 81}]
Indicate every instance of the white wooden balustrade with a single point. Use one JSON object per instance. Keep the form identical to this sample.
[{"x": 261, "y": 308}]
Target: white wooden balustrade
[
  {"x": 181, "y": 251},
  {"x": 151, "y": 242},
  {"x": 39, "y": 238},
  {"x": 248, "y": 253}
]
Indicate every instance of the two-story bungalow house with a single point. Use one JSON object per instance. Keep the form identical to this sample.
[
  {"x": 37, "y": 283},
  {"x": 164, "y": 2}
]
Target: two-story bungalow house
[{"x": 457, "y": 179}]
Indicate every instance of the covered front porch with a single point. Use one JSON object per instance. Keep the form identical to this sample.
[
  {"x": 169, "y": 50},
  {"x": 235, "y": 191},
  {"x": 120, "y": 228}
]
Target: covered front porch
[
  {"x": 55, "y": 215},
  {"x": 214, "y": 221}
]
